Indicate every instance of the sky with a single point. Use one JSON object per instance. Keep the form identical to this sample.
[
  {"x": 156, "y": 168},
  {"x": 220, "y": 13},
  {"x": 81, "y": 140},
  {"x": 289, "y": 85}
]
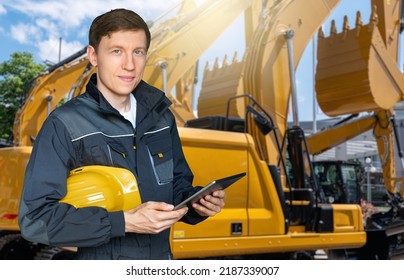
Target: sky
[{"x": 43, "y": 27}]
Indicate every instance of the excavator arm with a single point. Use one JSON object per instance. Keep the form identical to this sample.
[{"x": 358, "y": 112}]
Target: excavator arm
[
  {"x": 47, "y": 91},
  {"x": 383, "y": 129},
  {"x": 338, "y": 134},
  {"x": 264, "y": 69},
  {"x": 373, "y": 82},
  {"x": 176, "y": 49}
]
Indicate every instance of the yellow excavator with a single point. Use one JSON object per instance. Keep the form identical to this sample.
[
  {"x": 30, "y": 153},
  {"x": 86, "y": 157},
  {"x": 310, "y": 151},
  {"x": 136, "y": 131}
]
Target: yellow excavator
[
  {"x": 274, "y": 211},
  {"x": 373, "y": 84}
]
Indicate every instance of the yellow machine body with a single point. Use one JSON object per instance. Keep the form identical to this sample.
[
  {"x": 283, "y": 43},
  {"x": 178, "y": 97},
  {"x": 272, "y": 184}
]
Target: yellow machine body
[
  {"x": 12, "y": 164},
  {"x": 252, "y": 221}
]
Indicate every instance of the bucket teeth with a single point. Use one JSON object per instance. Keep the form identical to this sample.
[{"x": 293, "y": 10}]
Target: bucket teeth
[
  {"x": 225, "y": 62},
  {"x": 235, "y": 58},
  {"x": 358, "y": 23},
  {"x": 374, "y": 19},
  {"x": 206, "y": 67},
  {"x": 373, "y": 15},
  {"x": 216, "y": 64},
  {"x": 333, "y": 30},
  {"x": 321, "y": 34},
  {"x": 346, "y": 26}
]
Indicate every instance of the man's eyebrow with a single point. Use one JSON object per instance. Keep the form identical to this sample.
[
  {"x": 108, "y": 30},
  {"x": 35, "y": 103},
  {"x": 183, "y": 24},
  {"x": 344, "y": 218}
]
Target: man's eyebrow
[{"x": 122, "y": 47}]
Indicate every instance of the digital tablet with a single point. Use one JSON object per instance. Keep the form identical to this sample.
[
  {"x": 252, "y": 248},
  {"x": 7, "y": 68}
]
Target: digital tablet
[{"x": 213, "y": 186}]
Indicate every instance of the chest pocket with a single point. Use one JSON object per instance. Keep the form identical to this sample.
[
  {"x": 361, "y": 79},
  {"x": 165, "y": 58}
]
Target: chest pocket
[
  {"x": 101, "y": 150},
  {"x": 161, "y": 156}
]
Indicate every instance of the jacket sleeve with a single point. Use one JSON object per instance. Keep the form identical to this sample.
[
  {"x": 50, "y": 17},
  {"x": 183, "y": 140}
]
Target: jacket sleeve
[
  {"x": 183, "y": 178},
  {"x": 42, "y": 218}
]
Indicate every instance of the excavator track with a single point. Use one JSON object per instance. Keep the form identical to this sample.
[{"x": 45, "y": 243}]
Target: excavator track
[
  {"x": 382, "y": 246},
  {"x": 54, "y": 253},
  {"x": 14, "y": 247}
]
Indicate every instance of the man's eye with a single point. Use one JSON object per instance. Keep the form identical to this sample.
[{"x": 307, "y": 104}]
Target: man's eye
[
  {"x": 138, "y": 52},
  {"x": 116, "y": 51}
]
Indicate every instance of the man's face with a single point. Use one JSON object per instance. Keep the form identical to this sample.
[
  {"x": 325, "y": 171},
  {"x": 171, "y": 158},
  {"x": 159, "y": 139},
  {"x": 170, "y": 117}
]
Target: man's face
[{"x": 120, "y": 62}]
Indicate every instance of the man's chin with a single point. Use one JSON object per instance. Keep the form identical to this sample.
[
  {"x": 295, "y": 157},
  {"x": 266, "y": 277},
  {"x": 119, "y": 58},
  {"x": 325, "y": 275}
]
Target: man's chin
[{"x": 125, "y": 90}]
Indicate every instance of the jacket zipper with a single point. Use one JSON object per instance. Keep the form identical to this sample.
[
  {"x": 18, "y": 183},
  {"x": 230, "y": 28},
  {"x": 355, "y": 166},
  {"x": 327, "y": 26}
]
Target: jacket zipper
[{"x": 110, "y": 155}]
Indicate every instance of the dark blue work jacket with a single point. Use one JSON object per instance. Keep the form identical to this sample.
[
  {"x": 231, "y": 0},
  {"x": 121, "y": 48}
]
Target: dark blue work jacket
[{"x": 88, "y": 131}]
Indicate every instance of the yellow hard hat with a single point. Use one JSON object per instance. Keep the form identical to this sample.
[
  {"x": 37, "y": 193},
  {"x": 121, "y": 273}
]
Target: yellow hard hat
[{"x": 112, "y": 188}]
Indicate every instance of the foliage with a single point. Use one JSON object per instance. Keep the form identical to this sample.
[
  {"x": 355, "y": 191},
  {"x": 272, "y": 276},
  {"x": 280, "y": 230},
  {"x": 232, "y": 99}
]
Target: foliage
[{"x": 16, "y": 77}]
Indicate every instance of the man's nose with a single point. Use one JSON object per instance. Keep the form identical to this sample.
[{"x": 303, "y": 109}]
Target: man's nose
[{"x": 129, "y": 62}]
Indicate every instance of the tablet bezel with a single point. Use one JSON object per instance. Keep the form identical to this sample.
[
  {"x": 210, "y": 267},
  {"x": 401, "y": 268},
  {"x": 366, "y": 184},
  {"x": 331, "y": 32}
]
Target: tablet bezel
[{"x": 213, "y": 186}]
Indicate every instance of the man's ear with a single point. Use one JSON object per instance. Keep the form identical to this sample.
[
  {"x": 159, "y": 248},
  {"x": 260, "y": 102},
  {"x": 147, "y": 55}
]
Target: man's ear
[{"x": 92, "y": 55}]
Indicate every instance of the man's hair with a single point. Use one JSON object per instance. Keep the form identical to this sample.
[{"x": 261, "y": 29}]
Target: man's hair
[{"x": 116, "y": 20}]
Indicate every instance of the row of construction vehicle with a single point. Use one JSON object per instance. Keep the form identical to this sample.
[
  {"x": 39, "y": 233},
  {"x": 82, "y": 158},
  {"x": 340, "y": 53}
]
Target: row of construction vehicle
[{"x": 277, "y": 210}]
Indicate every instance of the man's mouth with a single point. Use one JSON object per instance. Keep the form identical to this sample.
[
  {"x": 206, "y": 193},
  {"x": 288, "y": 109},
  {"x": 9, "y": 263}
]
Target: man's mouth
[{"x": 127, "y": 79}]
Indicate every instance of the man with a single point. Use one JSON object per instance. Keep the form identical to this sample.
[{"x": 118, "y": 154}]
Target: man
[{"x": 119, "y": 121}]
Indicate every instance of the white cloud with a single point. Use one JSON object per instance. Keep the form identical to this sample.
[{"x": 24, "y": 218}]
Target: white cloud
[
  {"x": 70, "y": 14},
  {"x": 25, "y": 33},
  {"x": 49, "y": 20},
  {"x": 2, "y": 10},
  {"x": 49, "y": 27},
  {"x": 49, "y": 49}
]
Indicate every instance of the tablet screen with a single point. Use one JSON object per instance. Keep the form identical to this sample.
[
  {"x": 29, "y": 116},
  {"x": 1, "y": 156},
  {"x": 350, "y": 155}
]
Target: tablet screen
[{"x": 213, "y": 186}]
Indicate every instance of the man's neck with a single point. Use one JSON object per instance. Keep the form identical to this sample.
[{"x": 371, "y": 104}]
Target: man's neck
[
  {"x": 119, "y": 102},
  {"x": 122, "y": 104}
]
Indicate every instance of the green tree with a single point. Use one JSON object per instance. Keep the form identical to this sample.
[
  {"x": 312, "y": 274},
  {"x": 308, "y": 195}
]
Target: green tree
[{"x": 16, "y": 77}]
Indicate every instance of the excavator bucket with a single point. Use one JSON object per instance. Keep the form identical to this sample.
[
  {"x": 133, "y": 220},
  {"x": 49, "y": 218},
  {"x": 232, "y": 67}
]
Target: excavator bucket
[
  {"x": 372, "y": 81},
  {"x": 219, "y": 85}
]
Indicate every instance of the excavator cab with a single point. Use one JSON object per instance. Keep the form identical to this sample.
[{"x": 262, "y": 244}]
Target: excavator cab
[
  {"x": 303, "y": 190},
  {"x": 338, "y": 182}
]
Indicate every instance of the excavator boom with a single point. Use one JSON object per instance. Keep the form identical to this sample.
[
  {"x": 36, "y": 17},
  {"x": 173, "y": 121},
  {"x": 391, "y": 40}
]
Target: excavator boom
[{"x": 45, "y": 94}]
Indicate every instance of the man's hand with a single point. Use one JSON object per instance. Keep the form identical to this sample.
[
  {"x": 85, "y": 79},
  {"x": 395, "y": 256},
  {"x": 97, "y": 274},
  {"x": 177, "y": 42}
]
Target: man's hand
[
  {"x": 210, "y": 205},
  {"x": 152, "y": 217}
]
